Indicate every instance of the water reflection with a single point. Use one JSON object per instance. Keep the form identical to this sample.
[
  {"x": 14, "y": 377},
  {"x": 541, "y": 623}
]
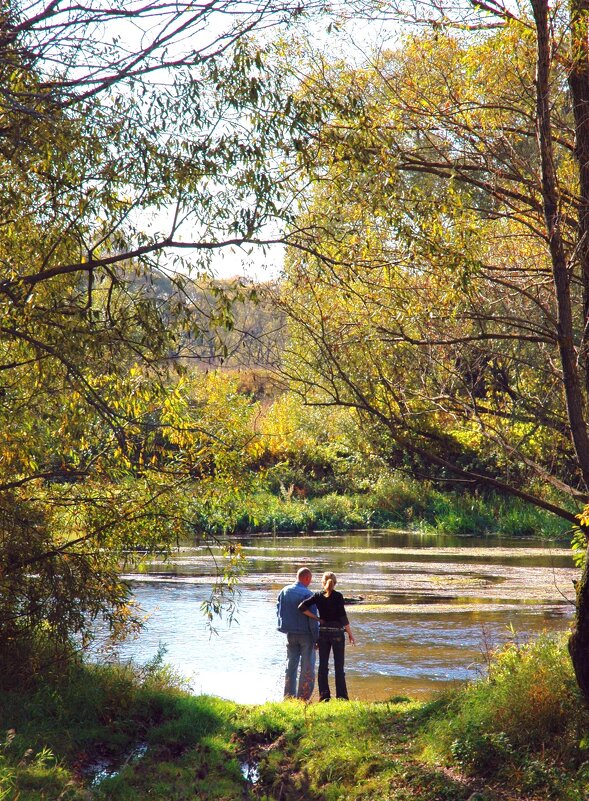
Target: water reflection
[{"x": 435, "y": 606}]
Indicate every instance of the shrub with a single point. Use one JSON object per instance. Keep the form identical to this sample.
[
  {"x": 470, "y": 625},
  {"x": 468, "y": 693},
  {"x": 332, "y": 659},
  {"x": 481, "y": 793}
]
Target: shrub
[
  {"x": 528, "y": 705},
  {"x": 338, "y": 511},
  {"x": 480, "y": 751}
]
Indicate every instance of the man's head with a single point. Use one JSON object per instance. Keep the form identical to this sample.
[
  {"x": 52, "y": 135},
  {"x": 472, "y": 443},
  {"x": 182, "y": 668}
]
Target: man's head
[{"x": 304, "y": 576}]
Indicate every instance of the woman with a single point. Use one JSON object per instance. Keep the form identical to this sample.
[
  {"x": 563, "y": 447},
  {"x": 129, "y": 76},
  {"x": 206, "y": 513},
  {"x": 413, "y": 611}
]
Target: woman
[{"x": 333, "y": 622}]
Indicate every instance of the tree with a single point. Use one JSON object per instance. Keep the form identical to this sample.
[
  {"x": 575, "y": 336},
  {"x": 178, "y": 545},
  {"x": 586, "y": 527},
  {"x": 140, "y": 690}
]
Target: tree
[
  {"x": 130, "y": 135},
  {"x": 439, "y": 278}
]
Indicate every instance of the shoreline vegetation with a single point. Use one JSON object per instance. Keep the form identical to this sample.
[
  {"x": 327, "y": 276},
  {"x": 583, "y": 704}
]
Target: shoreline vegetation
[
  {"x": 393, "y": 503},
  {"x": 123, "y": 732}
]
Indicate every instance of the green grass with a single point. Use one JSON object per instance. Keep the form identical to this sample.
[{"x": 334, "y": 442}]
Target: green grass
[
  {"x": 56, "y": 732},
  {"x": 522, "y": 733}
]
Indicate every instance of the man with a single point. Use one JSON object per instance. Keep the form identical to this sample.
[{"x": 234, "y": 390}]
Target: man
[{"x": 301, "y": 635}]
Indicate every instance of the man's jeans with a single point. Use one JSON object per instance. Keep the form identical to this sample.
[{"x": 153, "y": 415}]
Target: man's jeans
[
  {"x": 332, "y": 639},
  {"x": 300, "y": 649}
]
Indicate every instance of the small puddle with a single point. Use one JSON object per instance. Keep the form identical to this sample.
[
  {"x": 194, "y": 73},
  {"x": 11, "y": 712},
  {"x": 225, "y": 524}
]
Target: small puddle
[
  {"x": 103, "y": 768},
  {"x": 250, "y": 771}
]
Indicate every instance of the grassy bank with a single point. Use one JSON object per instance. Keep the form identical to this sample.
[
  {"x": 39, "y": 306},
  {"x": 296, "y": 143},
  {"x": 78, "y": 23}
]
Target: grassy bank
[
  {"x": 391, "y": 502},
  {"x": 120, "y": 733}
]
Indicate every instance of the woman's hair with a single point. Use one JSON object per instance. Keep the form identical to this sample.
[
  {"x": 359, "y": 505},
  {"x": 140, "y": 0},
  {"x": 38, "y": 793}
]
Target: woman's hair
[{"x": 329, "y": 581}]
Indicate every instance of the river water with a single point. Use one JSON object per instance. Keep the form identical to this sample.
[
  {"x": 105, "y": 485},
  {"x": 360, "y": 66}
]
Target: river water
[{"x": 435, "y": 607}]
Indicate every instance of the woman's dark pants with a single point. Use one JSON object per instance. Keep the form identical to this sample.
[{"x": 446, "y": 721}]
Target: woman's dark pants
[{"x": 332, "y": 639}]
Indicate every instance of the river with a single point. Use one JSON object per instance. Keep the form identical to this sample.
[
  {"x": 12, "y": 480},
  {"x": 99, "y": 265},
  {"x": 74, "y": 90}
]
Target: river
[{"x": 435, "y": 607}]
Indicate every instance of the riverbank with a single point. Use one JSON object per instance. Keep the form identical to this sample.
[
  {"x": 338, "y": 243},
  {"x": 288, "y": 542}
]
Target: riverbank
[
  {"x": 128, "y": 733},
  {"x": 393, "y": 502}
]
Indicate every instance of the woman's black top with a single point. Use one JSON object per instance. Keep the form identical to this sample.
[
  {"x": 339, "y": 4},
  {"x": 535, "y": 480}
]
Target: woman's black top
[{"x": 331, "y": 609}]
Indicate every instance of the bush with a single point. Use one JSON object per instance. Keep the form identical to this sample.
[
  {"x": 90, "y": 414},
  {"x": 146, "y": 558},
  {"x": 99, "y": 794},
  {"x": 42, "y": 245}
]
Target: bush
[
  {"x": 338, "y": 511},
  {"x": 27, "y": 661},
  {"x": 529, "y": 705},
  {"x": 482, "y": 752},
  {"x": 398, "y": 498}
]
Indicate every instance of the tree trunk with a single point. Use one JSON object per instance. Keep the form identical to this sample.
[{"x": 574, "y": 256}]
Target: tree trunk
[
  {"x": 561, "y": 268},
  {"x": 579, "y": 86},
  {"x": 579, "y": 639}
]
